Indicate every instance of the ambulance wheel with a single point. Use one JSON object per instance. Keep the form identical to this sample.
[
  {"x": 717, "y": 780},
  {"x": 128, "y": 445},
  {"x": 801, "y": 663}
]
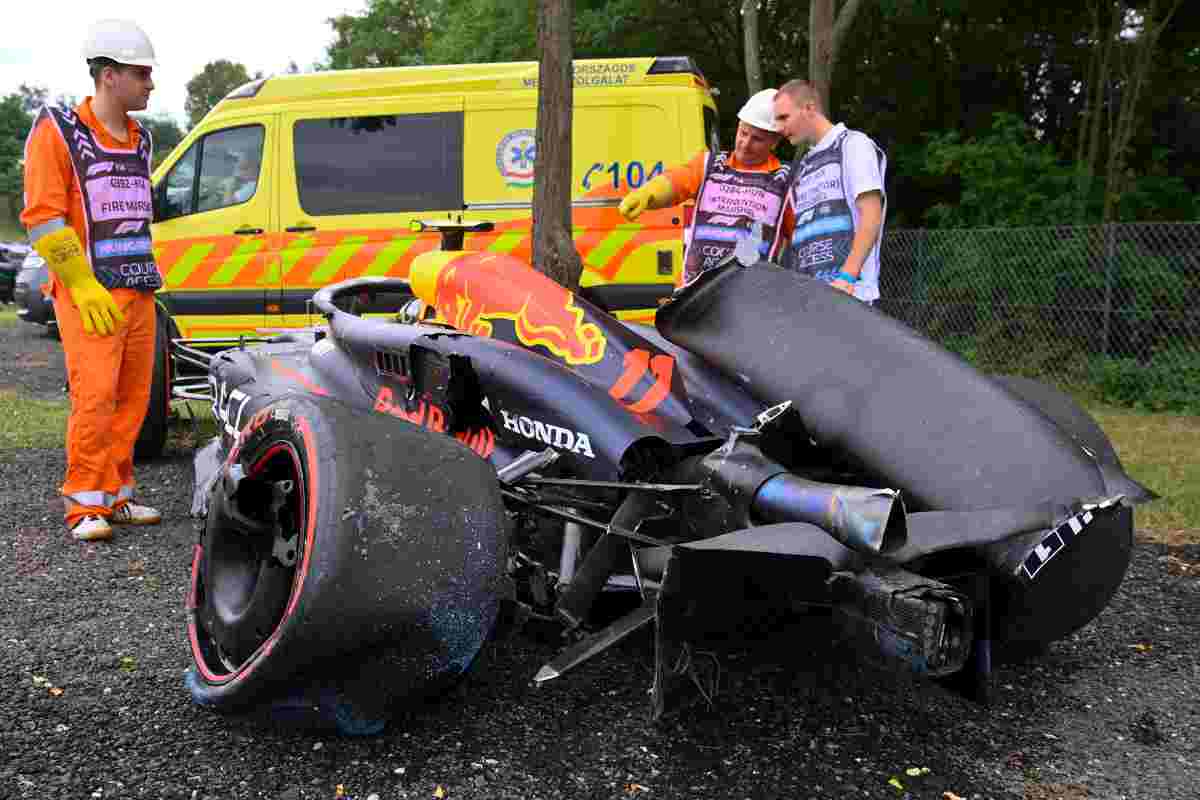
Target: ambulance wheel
[
  {"x": 153, "y": 435},
  {"x": 377, "y": 579}
]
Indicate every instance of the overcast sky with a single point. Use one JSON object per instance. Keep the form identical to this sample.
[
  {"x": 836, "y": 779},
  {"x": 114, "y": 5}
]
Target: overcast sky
[{"x": 40, "y": 41}]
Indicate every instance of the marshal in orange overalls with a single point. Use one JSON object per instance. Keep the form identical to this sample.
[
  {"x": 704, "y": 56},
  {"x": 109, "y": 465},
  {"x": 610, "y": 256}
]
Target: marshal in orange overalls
[{"x": 109, "y": 376}]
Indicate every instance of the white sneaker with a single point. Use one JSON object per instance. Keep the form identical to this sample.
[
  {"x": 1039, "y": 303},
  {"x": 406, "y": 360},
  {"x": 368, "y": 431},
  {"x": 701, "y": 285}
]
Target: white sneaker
[
  {"x": 92, "y": 529},
  {"x": 134, "y": 514}
]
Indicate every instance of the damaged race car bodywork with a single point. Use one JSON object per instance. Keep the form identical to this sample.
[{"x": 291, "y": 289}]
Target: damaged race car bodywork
[{"x": 383, "y": 488}]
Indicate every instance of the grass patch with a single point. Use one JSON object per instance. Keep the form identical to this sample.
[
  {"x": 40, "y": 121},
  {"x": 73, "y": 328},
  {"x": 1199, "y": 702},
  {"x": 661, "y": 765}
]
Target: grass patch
[
  {"x": 8, "y": 316},
  {"x": 10, "y": 231},
  {"x": 192, "y": 426},
  {"x": 28, "y": 423},
  {"x": 1163, "y": 452}
]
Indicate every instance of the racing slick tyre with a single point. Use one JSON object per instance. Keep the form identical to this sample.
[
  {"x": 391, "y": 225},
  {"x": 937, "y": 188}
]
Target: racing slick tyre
[
  {"x": 1069, "y": 592},
  {"x": 153, "y": 435},
  {"x": 1076, "y": 586},
  {"x": 348, "y": 561}
]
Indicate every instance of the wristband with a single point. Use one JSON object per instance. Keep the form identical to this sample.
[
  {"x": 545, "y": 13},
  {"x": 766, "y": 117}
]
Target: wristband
[{"x": 846, "y": 276}]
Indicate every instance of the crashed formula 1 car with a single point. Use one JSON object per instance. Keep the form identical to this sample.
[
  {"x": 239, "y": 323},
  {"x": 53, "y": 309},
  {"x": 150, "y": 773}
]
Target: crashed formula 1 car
[{"x": 385, "y": 487}]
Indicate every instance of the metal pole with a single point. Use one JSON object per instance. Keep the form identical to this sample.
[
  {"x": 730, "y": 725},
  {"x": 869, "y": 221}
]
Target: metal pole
[
  {"x": 572, "y": 543},
  {"x": 1109, "y": 260}
]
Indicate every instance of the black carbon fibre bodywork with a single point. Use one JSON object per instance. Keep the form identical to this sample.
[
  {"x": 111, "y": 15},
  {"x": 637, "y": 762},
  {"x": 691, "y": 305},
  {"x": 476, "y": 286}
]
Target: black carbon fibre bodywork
[
  {"x": 773, "y": 446},
  {"x": 462, "y": 382},
  {"x": 912, "y": 413}
]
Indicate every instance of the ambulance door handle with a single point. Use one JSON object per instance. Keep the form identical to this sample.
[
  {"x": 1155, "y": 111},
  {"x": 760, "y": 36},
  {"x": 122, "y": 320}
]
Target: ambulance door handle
[
  {"x": 300, "y": 228},
  {"x": 248, "y": 231}
]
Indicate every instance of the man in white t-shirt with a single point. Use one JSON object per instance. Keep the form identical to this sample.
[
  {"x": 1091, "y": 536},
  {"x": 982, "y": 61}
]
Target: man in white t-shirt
[{"x": 836, "y": 196}]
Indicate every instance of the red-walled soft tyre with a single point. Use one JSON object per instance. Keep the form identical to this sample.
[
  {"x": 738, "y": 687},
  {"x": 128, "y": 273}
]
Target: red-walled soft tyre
[{"x": 378, "y": 578}]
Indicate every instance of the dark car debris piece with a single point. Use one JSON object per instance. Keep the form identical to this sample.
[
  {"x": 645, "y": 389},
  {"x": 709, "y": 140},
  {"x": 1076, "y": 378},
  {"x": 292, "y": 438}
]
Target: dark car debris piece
[{"x": 385, "y": 489}]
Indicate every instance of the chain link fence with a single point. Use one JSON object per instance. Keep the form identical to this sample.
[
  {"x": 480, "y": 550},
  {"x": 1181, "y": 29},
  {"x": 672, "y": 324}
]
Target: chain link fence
[{"x": 1109, "y": 310}]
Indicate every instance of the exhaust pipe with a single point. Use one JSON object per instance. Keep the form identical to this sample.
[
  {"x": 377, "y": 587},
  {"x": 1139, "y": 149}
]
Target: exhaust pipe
[
  {"x": 863, "y": 519},
  {"x": 763, "y": 491}
]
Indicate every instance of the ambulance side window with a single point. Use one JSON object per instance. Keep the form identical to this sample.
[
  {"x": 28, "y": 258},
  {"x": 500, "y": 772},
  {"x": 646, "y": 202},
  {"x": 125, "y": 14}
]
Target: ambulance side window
[
  {"x": 220, "y": 169},
  {"x": 177, "y": 191},
  {"x": 230, "y": 161},
  {"x": 380, "y": 164}
]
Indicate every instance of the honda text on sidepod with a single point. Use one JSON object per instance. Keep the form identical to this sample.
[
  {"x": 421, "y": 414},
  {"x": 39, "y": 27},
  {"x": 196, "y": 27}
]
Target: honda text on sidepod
[{"x": 383, "y": 488}]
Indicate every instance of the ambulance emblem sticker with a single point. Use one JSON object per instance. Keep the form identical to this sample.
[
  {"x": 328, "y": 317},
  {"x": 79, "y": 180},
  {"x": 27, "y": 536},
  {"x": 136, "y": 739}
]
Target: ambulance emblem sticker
[{"x": 514, "y": 158}]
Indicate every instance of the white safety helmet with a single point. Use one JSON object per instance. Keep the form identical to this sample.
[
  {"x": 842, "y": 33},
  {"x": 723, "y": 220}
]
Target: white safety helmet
[
  {"x": 120, "y": 40},
  {"x": 759, "y": 111}
]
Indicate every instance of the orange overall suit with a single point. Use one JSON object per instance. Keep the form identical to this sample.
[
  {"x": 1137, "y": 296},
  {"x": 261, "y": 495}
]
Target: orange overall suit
[{"x": 110, "y": 376}]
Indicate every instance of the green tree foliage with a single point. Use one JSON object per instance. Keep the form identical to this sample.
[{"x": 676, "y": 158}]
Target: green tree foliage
[
  {"x": 1007, "y": 177},
  {"x": 33, "y": 97},
  {"x": 475, "y": 31},
  {"x": 916, "y": 67},
  {"x": 165, "y": 132},
  {"x": 909, "y": 72},
  {"x": 400, "y": 32},
  {"x": 1166, "y": 143},
  {"x": 14, "y": 128},
  {"x": 1004, "y": 177},
  {"x": 210, "y": 85},
  {"x": 391, "y": 33}
]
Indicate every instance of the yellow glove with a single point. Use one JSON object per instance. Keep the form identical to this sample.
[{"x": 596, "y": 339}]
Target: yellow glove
[
  {"x": 64, "y": 256},
  {"x": 658, "y": 193}
]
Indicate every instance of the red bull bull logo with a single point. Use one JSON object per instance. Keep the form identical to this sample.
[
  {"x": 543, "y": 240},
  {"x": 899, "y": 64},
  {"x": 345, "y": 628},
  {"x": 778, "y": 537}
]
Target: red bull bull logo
[{"x": 472, "y": 290}]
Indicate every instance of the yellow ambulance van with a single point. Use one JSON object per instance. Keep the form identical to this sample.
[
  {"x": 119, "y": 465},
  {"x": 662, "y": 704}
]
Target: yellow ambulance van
[{"x": 296, "y": 181}]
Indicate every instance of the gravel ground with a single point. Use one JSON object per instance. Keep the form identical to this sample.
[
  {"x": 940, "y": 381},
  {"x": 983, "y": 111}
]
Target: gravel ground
[{"x": 92, "y": 703}]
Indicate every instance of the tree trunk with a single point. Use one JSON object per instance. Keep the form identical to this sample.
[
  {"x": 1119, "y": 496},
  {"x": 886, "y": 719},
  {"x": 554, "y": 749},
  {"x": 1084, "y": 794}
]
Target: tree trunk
[
  {"x": 1087, "y": 150},
  {"x": 825, "y": 36},
  {"x": 554, "y": 251},
  {"x": 754, "y": 79},
  {"x": 1142, "y": 55},
  {"x": 820, "y": 48}
]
